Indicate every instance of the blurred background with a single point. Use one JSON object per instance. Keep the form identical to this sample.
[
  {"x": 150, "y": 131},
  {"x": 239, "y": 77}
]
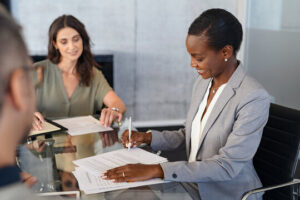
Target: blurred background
[{"x": 145, "y": 40}]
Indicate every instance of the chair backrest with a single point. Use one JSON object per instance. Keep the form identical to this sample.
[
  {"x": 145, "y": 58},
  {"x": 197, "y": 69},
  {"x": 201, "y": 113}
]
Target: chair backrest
[{"x": 277, "y": 156}]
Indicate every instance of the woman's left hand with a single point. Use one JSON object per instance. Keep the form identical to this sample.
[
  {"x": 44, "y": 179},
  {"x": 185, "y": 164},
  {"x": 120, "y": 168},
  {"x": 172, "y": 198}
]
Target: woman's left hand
[
  {"x": 133, "y": 172},
  {"x": 108, "y": 116}
]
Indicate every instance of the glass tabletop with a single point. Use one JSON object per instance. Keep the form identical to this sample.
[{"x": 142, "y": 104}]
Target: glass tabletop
[{"x": 49, "y": 158}]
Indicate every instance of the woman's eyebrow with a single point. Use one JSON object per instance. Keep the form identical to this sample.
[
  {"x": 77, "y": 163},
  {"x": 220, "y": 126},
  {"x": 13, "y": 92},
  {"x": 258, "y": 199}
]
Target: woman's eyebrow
[
  {"x": 196, "y": 54},
  {"x": 76, "y": 36},
  {"x": 61, "y": 39}
]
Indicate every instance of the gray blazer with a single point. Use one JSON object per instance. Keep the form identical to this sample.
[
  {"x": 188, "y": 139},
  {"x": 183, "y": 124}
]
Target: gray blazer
[{"x": 224, "y": 168}]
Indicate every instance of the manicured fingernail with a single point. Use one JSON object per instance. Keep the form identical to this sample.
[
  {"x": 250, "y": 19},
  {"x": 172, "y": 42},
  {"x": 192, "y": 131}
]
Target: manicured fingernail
[{"x": 103, "y": 176}]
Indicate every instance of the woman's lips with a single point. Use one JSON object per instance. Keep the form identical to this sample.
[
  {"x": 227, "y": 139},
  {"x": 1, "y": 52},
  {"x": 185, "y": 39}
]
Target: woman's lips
[
  {"x": 73, "y": 53},
  {"x": 200, "y": 72}
]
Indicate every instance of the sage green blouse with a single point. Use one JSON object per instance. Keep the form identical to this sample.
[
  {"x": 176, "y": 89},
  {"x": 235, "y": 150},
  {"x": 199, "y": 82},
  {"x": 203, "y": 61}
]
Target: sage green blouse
[{"x": 52, "y": 98}]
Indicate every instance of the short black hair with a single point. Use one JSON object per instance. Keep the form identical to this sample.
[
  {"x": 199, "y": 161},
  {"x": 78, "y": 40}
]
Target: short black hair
[{"x": 220, "y": 27}]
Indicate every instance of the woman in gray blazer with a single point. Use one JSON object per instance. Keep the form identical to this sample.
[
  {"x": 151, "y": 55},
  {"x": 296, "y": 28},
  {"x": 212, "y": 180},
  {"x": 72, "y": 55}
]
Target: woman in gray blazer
[{"x": 224, "y": 125}]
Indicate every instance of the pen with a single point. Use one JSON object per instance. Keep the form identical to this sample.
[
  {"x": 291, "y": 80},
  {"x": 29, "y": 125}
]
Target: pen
[{"x": 129, "y": 133}]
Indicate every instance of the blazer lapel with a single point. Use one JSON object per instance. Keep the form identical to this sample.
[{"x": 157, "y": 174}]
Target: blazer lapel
[
  {"x": 225, "y": 96},
  {"x": 220, "y": 104},
  {"x": 200, "y": 92},
  {"x": 197, "y": 98}
]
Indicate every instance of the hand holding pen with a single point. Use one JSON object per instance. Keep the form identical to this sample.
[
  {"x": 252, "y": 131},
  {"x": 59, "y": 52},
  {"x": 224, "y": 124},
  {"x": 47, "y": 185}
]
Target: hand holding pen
[{"x": 136, "y": 139}]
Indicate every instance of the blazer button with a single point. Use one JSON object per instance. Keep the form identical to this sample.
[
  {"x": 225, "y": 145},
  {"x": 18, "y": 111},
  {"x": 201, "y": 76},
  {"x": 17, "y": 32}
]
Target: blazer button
[{"x": 174, "y": 175}]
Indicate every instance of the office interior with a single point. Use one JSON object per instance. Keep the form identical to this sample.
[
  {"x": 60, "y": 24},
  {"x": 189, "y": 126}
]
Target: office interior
[{"x": 140, "y": 45}]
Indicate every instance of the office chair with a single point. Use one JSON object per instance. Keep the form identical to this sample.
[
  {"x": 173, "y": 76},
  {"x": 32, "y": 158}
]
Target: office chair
[{"x": 277, "y": 155}]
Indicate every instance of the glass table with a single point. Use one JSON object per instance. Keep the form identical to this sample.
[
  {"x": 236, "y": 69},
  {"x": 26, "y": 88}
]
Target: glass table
[{"x": 49, "y": 158}]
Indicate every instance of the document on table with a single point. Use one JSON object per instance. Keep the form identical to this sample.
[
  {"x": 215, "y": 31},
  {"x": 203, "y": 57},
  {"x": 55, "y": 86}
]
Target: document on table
[
  {"x": 92, "y": 184},
  {"x": 82, "y": 125},
  {"x": 89, "y": 169},
  {"x": 47, "y": 127}
]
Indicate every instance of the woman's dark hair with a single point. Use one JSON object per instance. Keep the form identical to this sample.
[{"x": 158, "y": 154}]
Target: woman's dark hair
[
  {"x": 86, "y": 62},
  {"x": 220, "y": 27}
]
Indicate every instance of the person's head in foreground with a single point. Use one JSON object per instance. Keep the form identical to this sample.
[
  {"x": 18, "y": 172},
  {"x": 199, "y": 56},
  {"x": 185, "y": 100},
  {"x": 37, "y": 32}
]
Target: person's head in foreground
[{"x": 17, "y": 101}]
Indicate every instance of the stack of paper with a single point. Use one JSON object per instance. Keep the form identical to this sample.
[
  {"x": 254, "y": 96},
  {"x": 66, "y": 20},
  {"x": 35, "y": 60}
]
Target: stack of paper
[
  {"x": 82, "y": 125},
  {"x": 89, "y": 169}
]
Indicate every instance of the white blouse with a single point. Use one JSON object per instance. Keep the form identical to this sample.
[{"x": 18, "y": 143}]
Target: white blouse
[{"x": 198, "y": 124}]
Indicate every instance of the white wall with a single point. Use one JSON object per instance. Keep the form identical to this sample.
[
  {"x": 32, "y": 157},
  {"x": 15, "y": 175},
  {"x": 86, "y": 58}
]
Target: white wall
[
  {"x": 273, "y": 48},
  {"x": 147, "y": 37}
]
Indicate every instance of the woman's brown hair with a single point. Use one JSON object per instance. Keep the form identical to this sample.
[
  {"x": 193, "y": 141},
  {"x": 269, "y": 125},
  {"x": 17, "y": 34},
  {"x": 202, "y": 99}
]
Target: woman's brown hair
[{"x": 86, "y": 62}]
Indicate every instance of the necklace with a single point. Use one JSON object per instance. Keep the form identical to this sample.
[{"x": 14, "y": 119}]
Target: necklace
[{"x": 214, "y": 90}]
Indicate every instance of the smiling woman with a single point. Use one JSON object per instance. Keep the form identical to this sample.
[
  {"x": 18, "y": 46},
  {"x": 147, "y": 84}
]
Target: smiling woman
[
  {"x": 70, "y": 84},
  {"x": 228, "y": 112},
  {"x": 68, "y": 40}
]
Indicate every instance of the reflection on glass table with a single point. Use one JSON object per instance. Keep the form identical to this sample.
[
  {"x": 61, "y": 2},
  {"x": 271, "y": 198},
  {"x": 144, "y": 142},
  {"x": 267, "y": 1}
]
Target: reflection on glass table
[{"x": 50, "y": 160}]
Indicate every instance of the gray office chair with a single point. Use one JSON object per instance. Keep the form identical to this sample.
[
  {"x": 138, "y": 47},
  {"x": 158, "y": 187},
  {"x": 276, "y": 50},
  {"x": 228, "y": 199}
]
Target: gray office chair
[{"x": 277, "y": 155}]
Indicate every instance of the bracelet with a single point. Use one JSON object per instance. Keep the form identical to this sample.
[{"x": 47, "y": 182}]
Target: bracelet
[{"x": 115, "y": 109}]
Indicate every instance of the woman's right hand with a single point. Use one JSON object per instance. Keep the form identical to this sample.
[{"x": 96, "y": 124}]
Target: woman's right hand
[
  {"x": 137, "y": 138},
  {"x": 38, "y": 120}
]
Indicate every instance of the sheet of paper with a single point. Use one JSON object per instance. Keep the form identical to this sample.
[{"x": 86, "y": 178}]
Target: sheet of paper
[
  {"x": 100, "y": 163},
  {"x": 47, "y": 127},
  {"x": 89, "y": 170},
  {"x": 91, "y": 184},
  {"x": 82, "y": 125}
]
